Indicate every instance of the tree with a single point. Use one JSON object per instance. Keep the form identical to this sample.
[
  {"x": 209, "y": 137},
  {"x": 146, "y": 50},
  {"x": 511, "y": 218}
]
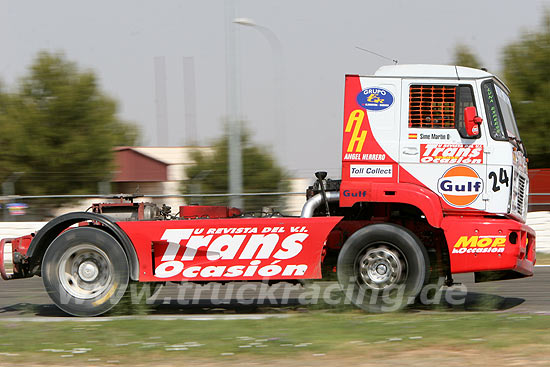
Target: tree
[
  {"x": 527, "y": 73},
  {"x": 463, "y": 56},
  {"x": 209, "y": 175},
  {"x": 58, "y": 129}
]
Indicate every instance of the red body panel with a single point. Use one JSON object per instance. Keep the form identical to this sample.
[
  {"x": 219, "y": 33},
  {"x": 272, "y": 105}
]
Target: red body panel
[
  {"x": 483, "y": 244},
  {"x": 21, "y": 244},
  {"x": 359, "y": 144},
  {"x": 418, "y": 196},
  {"x": 230, "y": 249}
]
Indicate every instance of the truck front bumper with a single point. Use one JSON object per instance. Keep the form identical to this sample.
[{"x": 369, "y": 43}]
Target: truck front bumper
[{"x": 478, "y": 244}]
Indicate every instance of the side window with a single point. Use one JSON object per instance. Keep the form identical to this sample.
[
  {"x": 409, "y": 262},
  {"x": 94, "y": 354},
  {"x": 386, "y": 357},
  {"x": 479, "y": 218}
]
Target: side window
[
  {"x": 497, "y": 129},
  {"x": 465, "y": 99},
  {"x": 439, "y": 106},
  {"x": 432, "y": 106}
]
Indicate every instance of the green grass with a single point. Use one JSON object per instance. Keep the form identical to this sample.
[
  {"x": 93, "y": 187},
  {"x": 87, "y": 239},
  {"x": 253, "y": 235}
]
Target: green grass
[{"x": 143, "y": 342}]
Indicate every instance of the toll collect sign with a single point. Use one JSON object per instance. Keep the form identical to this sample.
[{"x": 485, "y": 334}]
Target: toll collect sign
[
  {"x": 371, "y": 171},
  {"x": 451, "y": 153},
  {"x": 230, "y": 249}
]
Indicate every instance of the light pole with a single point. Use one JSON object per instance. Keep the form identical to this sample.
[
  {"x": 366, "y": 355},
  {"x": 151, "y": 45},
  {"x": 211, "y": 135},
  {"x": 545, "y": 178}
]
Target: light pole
[
  {"x": 232, "y": 92},
  {"x": 277, "y": 50}
]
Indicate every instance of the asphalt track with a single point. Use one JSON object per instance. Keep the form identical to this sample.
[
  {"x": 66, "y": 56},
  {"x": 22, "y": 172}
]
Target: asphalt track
[{"x": 26, "y": 298}]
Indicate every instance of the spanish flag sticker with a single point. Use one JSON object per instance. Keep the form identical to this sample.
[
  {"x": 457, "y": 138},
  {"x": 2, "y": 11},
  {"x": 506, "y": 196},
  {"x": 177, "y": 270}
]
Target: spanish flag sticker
[{"x": 413, "y": 136}]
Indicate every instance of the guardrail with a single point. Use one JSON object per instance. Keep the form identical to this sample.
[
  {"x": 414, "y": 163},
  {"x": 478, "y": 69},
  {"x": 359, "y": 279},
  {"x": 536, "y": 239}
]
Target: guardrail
[
  {"x": 124, "y": 196},
  {"x": 119, "y": 196}
]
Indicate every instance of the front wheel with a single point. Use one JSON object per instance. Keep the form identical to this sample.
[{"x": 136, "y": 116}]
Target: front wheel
[
  {"x": 85, "y": 271},
  {"x": 382, "y": 267}
]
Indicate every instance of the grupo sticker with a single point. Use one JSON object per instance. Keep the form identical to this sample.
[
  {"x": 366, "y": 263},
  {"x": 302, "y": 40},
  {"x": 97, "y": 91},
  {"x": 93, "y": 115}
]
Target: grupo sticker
[
  {"x": 375, "y": 99},
  {"x": 460, "y": 186}
]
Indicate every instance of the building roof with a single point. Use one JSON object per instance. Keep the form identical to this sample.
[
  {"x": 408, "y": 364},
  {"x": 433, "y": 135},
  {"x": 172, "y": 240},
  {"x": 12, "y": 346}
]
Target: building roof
[
  {"x": 134, "y": 166},
  {"x": 153, "y": 164},
  {"x": 171, "y": 155}
]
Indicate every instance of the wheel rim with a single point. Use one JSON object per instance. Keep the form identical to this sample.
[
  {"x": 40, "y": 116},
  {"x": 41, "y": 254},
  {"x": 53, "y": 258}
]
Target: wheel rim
[
  {"x": 381, "y": 267},
  {"x": 85, "y": 271}
]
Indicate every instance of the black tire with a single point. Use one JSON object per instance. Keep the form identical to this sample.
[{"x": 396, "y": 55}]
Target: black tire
[
  {"x": 382, "y": 267},
  {"x": 85, "y": 271}
]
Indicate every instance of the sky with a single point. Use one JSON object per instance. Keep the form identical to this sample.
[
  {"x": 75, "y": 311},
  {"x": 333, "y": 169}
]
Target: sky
[{"x": 318, "y": 40}]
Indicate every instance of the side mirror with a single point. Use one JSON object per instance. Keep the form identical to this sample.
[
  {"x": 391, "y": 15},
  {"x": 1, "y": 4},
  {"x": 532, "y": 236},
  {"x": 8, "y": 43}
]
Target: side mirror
[{"x": 471, "y": 121}]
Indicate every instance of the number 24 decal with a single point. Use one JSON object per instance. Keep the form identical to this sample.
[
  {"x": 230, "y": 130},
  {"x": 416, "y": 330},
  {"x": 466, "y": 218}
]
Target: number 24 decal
[{"x": 502, "y": 179}]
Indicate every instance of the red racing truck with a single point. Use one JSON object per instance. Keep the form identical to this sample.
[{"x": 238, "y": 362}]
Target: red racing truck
[{"x": 434, "y": 182}]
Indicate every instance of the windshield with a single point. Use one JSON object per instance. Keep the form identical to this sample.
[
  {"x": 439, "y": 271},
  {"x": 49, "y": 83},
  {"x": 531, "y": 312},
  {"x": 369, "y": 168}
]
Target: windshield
[
  {"x": 507, "y": 113},
  {"x": 500, "y": 117}
]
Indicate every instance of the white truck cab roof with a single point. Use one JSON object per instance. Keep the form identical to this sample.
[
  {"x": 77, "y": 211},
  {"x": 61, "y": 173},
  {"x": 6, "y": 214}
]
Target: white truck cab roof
[{"x": 431, "y": 71}]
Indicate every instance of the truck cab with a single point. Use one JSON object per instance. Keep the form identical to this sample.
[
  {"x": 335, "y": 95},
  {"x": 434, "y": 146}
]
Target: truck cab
[
  {"x": 441, "y": 140},
  {"x": 418, "y": 133}
]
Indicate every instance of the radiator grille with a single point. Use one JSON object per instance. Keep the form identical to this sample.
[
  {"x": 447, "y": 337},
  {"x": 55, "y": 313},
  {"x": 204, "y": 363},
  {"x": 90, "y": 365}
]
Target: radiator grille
[
  {"x": 432, "y": 106},
  {"x": 521, "y": 195}
]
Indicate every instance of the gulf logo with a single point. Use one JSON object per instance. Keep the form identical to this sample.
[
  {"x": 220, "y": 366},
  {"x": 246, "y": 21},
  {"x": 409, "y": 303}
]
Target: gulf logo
[{"x": 460, "y": 186}]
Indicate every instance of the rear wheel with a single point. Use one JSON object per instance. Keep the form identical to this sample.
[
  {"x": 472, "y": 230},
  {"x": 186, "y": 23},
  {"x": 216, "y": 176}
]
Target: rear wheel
[
  {"x": 85, "y": 271},
  {"x": 382, "y": 267}
]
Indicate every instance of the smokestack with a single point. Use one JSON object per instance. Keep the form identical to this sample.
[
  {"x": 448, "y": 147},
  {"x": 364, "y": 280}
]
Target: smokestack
[
  {"x": 160, "y": 100},
  {"x": 190, "y": 100}
]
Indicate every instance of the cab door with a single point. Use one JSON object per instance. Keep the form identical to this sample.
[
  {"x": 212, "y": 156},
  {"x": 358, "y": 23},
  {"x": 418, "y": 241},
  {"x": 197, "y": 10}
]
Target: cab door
[{"x": 434, "y": 150}]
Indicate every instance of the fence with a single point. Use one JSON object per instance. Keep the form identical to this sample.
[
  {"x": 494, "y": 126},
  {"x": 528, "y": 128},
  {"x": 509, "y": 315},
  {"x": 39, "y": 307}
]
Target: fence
[{"x": 44, "y": 207}]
